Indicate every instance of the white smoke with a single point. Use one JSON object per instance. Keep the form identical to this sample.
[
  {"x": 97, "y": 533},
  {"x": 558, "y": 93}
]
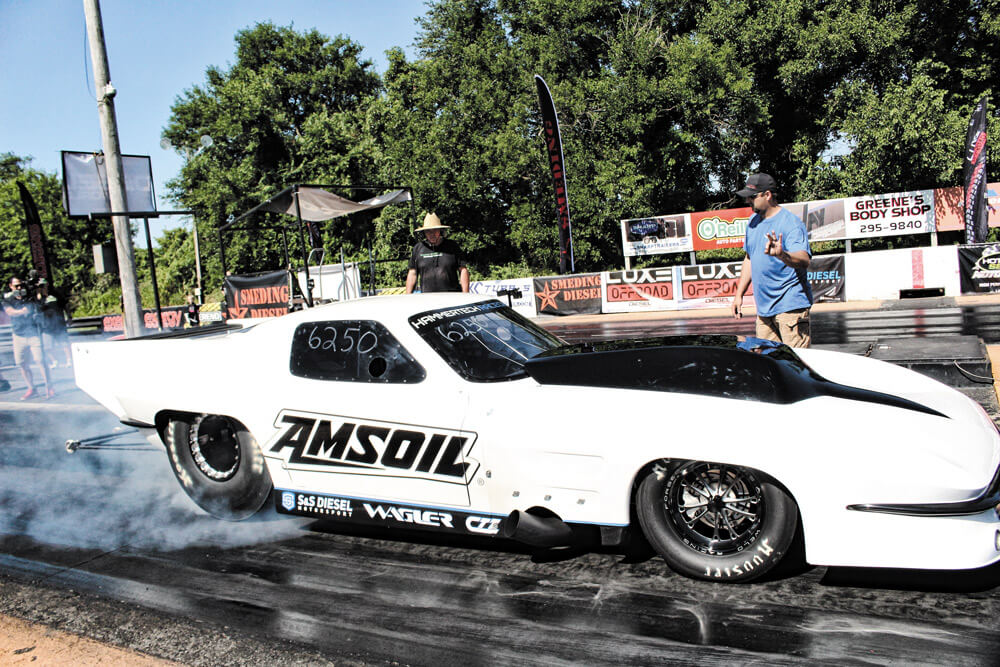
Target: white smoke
[{"x": 122, "y": 494}]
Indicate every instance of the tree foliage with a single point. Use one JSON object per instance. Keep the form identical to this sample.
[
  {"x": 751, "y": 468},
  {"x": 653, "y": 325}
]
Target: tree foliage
[
  {"x": 291, "y": 109},
  {"x": 665, "y": 106}
]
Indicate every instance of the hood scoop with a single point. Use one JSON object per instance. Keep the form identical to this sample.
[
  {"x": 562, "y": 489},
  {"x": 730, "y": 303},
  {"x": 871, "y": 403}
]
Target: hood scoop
[{"x": 742, "y": 368}]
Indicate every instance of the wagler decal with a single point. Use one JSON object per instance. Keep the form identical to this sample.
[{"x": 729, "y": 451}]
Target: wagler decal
[
  {"x": 384, "y": 514},
  {"x": 367, "y": 447}
]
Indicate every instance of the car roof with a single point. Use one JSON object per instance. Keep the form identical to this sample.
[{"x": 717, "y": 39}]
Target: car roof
[{"x": 391, "y": 307}]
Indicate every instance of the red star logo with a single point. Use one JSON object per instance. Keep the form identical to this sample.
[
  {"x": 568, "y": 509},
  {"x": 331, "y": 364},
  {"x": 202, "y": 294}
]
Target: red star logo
[
  {"x": 548, "y": 296},
  {"x": 235, "y": 310}
]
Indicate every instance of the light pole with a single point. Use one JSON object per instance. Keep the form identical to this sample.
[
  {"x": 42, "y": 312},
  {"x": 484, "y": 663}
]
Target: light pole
[{"x": 206, "y": 142}]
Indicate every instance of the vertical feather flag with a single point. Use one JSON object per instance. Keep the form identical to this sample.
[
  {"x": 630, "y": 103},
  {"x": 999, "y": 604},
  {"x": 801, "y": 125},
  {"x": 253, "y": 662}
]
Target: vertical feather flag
[
  {"x": 553, "y": 142},
  {"x": 36, "y": 237},
  {"x": 974, "y": 176}
]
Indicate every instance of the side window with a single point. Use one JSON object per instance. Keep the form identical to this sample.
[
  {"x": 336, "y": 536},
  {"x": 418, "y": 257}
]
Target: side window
[{"x": 351, "y": 351}]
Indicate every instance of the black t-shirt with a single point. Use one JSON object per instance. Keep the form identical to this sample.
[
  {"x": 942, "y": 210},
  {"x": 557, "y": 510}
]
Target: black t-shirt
[
  {"x": 437, "y": 266},
  {"x": 24, "y": 324}
]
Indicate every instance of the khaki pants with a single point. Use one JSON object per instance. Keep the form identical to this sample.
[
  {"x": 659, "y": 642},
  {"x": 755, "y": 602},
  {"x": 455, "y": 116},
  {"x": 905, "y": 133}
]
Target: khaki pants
[
  {"x": 26, "y": 347},
  {"x": 791, "y": 328}
]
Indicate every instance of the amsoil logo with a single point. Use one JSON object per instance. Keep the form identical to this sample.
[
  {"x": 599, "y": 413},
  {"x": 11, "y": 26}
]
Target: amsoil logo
[{"x": 367, "y": 447}]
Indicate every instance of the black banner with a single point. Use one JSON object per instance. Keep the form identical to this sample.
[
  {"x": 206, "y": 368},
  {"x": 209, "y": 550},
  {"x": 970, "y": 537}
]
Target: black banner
[
  {"x": 974, "y": 176},
  {"x": 553, "y": 142},
  {"x": 36, "y": 237},
  {"x": 827, "y": 278},
  {"x": 262, "y": 295},
  {"x": 568, "y": 295},
  {"x": 979, "y": 268}
]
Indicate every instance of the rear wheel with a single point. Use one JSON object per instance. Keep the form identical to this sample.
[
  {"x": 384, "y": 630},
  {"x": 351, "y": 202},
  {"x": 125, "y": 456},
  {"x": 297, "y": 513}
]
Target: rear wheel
[
  {"x": 218, "y": 464},
  {"x": 715, "y": 521}
]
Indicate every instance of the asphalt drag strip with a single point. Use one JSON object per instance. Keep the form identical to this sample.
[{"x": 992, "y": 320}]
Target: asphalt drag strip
[{"x": 158, "y": 577}]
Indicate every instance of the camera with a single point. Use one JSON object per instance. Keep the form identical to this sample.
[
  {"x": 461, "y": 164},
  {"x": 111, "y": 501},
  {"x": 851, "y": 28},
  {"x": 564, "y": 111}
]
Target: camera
[{"x": 29, "y": 287}]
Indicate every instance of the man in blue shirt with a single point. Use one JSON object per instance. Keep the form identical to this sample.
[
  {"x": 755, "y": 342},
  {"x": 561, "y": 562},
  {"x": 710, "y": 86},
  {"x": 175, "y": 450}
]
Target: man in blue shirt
[{"x": 778, "y": 254}]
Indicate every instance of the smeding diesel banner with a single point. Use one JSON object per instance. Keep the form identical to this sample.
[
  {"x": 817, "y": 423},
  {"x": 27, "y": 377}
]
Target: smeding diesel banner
[
  {"x": 568, "y": 295},
  {"x": 263, "y": 295},
  {"x": 979, "y": 268}
]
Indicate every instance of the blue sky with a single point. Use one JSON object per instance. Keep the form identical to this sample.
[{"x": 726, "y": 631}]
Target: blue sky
[{"x": 157, "y": 49}]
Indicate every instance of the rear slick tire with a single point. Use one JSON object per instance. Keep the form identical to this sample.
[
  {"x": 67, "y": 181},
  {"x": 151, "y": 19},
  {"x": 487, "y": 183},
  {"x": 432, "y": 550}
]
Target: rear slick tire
[
  {"x": 218, "y": 464},
  {"x": 714, "y": 521}
]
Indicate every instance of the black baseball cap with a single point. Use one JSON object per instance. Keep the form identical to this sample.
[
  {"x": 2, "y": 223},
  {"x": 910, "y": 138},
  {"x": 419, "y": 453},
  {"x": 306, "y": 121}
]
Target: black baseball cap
[{"x": 756, "y": 184}]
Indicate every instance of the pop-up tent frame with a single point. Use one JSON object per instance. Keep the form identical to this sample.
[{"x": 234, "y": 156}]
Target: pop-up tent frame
[{"x": 311, "y": 203}]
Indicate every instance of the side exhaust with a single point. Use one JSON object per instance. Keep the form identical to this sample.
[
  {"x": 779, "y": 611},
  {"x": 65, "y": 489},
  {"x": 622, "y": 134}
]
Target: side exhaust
[{"x": 538, "y": 531}]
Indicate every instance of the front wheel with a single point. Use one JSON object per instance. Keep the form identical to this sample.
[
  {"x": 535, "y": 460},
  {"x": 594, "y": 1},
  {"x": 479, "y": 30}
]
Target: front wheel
[
  {"x": 218, "y": 464},
  {"x": 715, "y": 521}
]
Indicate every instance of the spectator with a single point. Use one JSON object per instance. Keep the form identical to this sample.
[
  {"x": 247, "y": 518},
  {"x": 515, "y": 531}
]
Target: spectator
[
  {"x": 777, "y": 256},
  {"x": 192, "y": 318},
  {"x": 437, "y": 262},
  {"x": 53, "y": 325},
  {"x": 25, "y": 327}
]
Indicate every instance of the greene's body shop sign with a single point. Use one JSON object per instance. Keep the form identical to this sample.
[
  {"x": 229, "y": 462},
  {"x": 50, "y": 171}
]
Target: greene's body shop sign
[{"x": 890, "y": 215}]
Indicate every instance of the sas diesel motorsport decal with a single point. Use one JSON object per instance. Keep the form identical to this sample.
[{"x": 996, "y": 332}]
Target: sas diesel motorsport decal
[
  {"x": 375, "y": 513},
  {"x": 348, "y": 445}
]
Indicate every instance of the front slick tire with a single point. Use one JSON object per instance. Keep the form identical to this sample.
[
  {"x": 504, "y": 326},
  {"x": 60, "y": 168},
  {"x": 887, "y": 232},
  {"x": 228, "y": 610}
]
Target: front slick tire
[
  {"x": 714, "y": 521},
  {"x": 218, "y": 464}
]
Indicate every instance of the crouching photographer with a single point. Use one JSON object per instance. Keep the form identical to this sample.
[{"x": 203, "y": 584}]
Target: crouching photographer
[{"x": 21, "y": 306}]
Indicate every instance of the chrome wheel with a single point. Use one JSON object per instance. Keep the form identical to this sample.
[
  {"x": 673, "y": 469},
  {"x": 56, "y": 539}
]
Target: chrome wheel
[
  {"x": 716, "y": 509},
  {"x": 215, "y": 448}
]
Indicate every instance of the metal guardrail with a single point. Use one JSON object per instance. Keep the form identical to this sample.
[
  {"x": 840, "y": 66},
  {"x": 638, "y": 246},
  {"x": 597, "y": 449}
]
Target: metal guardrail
[{"x": 6, "y": 346}]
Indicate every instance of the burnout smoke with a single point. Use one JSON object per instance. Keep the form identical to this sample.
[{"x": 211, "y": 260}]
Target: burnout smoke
[{"x": 109, "y": 497}]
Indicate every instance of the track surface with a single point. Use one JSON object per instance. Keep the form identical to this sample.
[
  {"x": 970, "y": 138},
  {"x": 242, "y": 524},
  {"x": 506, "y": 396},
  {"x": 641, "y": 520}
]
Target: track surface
[{"x": 103, "y": 543}]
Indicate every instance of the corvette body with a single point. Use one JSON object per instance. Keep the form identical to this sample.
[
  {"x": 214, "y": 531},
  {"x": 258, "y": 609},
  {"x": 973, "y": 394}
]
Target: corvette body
[{"x": 448, "y": 412}]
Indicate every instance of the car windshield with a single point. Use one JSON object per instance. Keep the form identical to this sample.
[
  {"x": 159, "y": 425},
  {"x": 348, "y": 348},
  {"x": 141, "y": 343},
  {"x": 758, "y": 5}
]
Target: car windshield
[{"x": 483, "y": 342}]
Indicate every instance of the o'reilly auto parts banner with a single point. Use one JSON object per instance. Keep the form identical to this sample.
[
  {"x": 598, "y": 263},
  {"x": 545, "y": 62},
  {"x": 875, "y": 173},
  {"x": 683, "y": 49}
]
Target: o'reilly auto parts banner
[
  {"x": 263, "y": 295},
  {"x": 720, "y": 229},
  {"x": 643, "y": 289},
  {"x": 979, "y": 268},
  {"x": 568, "y": 295},
  {"x": 827, "y": 278},
  {"x": 890, "y": 215},
  {"x": 656, "y": 235}
]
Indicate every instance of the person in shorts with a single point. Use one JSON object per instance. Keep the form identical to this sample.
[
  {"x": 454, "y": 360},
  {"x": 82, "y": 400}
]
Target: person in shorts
[
  {"x": 22, "y": 309},
  {"x": 777, "y": 256}
]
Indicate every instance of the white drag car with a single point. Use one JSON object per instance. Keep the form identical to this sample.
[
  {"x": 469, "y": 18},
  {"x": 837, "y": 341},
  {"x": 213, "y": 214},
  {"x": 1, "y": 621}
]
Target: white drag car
[{"x": 451, "y": 413}]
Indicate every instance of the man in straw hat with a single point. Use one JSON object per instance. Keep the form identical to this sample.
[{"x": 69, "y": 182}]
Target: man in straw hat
[{"x": 438, "y": 261}]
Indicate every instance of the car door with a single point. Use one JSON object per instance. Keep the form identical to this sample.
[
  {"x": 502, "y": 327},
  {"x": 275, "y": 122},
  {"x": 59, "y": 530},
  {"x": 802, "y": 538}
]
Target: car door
[{"x": 362, "y": 418}]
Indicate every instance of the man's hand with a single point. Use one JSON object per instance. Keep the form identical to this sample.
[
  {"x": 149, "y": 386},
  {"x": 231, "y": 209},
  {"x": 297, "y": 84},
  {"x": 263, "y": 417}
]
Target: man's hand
[
  {"x": 737, "y": 307},
  {"x": 773, "y": 246}
]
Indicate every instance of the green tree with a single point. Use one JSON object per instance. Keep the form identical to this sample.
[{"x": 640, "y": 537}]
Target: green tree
[{"x": 291, "y": 109}]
